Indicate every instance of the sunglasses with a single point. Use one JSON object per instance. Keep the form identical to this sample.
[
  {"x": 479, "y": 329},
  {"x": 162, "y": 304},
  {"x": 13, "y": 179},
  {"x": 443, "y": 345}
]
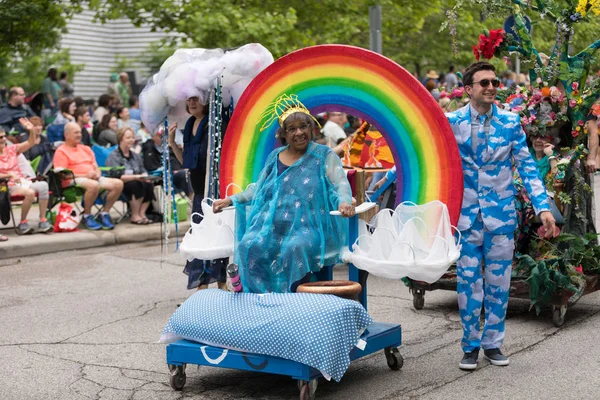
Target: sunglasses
[
  {"x": 3, "y": 137},
  {"x": 486, "y": 82}
]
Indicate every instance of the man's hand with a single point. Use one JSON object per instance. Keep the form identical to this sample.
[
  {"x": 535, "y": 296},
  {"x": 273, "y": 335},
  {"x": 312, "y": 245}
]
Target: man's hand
[
  {"x": 548, "y": 222},
  {"x": 219, "y": 205},
  {"x": 379, "y": 183},
  {"x": 92, "y": 175},
  {"x": 590, "y": 165},
  {"x": 347, "y": 210}
]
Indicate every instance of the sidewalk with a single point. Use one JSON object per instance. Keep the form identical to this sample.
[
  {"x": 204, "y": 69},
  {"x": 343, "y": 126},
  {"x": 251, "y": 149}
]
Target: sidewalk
[{"x": 39, "y": 243}]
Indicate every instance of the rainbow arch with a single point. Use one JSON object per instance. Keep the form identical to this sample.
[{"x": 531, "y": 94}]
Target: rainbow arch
[{"x": 362, "y": 83}]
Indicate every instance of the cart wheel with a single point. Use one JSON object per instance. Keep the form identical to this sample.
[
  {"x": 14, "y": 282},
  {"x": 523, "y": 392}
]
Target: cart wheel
[
  {"x": 177, "y": 376},
  {"x": 418, "y": 299},
  {"x": 558, "y": 315},
  {"x": 394, "y": 359},
  {"x": 308, "y": 389}
]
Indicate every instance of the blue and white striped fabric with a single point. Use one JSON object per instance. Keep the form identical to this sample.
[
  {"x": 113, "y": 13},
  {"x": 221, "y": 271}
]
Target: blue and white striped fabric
[{"x": 313, "y": 329}]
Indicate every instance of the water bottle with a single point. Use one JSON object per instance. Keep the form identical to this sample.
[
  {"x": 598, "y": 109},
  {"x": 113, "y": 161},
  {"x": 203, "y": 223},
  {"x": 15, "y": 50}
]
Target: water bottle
[{"x": 234, "y": 275}]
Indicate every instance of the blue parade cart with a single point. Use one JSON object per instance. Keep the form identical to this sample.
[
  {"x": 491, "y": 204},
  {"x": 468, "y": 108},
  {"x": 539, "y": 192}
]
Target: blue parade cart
[{"x": 378, "y": 336}]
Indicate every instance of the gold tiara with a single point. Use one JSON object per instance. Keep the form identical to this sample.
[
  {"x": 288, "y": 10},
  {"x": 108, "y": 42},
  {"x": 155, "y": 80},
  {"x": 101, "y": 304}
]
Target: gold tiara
[{"x": 284, "y": 106}]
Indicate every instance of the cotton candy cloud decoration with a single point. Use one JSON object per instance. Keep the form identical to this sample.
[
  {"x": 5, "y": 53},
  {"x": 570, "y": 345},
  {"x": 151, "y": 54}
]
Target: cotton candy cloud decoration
[{"x": 193, "y": 72}]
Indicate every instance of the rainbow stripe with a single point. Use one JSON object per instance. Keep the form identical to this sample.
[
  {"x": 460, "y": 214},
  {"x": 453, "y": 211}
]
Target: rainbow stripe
[{"x": 362, "y": 83}]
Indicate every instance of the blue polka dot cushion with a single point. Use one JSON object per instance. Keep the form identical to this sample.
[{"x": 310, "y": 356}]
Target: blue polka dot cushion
[{"x": 314, "y": 329}]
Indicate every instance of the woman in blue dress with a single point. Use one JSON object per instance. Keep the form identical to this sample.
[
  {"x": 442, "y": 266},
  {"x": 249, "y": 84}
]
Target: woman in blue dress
[
  {"x": 287, "y": 233},
  {"x": 194, "y": 157}
]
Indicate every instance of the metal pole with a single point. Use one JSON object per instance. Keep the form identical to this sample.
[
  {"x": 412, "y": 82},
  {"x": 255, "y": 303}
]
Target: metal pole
[
  {"x": 375, "y": 42},
  {"x": 518, "y": 69}
]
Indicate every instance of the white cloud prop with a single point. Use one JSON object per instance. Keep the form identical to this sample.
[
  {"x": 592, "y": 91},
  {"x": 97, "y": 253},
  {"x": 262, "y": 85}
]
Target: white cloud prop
[{"x": 193, "y": 72}]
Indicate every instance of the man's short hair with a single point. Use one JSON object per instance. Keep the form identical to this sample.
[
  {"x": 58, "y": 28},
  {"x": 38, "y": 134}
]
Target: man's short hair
[
  {"x": 104, "y": 101},
  {"x": 70, "y": 125},
  {"x": 474, "y": 68},
  {"x": 13, "y": 91},
  {"x": 132, "y": 100},
  {"x": 79, "y": 112}
]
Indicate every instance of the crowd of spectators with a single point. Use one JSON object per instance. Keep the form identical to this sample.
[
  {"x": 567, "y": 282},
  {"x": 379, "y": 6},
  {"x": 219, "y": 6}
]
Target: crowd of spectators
[{"x": 102, "y": 146}]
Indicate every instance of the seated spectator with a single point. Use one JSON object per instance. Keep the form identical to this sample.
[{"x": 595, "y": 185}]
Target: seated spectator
[
  {"x": 152, "y": 155},
  {"x": 14, "y": 110},
  {"x": 108, "y": 131},
  {"x": 18, "y": 184},
  {"x": 102, "y": 110},
  {"x": 137, "y": 187},
  {"x": 122, "y": 117},
  {"x": 66, "y": 109},
  {"x": 82, "y": 117},
  {"x": 78, "y": 102},
  {"x": 81, "y": 161},
  {"x": 41, "y": 148}
]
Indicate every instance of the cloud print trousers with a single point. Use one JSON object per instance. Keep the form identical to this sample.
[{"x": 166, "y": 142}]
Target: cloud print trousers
[{"x": 488, "y": 286}]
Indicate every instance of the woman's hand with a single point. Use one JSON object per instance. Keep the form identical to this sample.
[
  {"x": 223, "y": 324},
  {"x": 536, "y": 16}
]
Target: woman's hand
[
  {"x": 14, "y": 177},
  {"x": 26, "y": 124},
  {"x": 548, "y": 149},
  {"x": 171, "y": 132},
  {"x": 219, "y": 205},
  {"x": 347, "y": 210}
]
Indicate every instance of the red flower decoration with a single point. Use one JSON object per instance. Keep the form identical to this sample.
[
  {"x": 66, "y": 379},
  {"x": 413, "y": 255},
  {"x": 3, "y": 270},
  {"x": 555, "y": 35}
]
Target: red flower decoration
[
  {"x": 579, "y": 269},
  {"x": 574, "y": 133},
  {"x": 476, "y": 52},
  {"x": 488, "y": 45}
]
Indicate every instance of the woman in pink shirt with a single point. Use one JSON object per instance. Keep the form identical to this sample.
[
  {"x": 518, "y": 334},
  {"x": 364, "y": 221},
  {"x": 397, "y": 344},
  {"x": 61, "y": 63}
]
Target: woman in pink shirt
[{"x": 18, "y": 185}]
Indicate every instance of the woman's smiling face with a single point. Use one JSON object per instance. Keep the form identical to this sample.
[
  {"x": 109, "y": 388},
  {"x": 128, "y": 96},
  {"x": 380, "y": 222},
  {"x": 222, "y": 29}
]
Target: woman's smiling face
[{"x": 298, "y": 131}]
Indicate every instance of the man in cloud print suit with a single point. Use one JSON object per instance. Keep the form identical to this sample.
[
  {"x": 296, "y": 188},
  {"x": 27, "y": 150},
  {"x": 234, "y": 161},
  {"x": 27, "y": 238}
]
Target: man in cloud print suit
[{"x": 490, "y": 140}]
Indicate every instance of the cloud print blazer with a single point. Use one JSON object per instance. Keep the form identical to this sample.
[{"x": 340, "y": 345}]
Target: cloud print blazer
[{"x": 488, "y": 177}]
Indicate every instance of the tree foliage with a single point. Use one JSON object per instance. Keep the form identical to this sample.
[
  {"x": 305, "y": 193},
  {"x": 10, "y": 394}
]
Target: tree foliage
[
  {"x": 281, "y": 26},
  {"x": 29, "y": 72},
  {"x": 31, "y": 26}
]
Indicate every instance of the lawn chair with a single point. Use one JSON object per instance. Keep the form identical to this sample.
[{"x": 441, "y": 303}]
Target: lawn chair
[
  {"x": 14, "y": 200},
  {"x": 55, "y": 133}
]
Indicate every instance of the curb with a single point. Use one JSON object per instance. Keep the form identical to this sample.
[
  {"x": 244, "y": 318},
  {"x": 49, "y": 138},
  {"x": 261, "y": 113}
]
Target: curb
[{"x": 30, "y": 245}]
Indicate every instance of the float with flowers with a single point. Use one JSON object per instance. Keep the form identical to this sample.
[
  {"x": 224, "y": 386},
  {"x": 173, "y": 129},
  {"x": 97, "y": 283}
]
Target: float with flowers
[{"x": 559, "y": 110}]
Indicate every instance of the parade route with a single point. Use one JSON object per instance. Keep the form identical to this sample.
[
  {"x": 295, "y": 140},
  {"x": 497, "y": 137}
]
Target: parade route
[{"x": 84, "y": 325}]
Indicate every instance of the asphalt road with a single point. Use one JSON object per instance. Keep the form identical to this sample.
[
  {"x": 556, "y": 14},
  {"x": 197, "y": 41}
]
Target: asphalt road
[{"x": 85, "y": 325}]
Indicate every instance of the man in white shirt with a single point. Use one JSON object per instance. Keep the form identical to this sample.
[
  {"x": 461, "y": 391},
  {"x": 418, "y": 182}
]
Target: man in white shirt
[{"x": 333, "y": 130}]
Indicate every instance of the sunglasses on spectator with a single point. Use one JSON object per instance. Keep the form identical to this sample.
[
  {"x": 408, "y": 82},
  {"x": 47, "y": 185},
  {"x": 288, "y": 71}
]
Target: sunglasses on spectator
[
  {"x": 2, "y": 136},
  {"x": 486, "y": 82}
]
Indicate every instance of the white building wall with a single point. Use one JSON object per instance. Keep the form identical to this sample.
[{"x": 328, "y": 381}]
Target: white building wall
[{"x": 99, "y": 46}]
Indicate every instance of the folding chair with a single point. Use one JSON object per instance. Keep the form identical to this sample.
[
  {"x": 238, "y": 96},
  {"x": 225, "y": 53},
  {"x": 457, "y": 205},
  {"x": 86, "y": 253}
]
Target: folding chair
[
  {"x": 62, "y": 191},
  {"x": 15, "y": 200},
  {"x": 55, "y": 133}
]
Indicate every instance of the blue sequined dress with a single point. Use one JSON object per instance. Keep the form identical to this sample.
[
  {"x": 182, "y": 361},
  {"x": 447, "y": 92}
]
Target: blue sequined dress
[{"x": 283, "y": 227}]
